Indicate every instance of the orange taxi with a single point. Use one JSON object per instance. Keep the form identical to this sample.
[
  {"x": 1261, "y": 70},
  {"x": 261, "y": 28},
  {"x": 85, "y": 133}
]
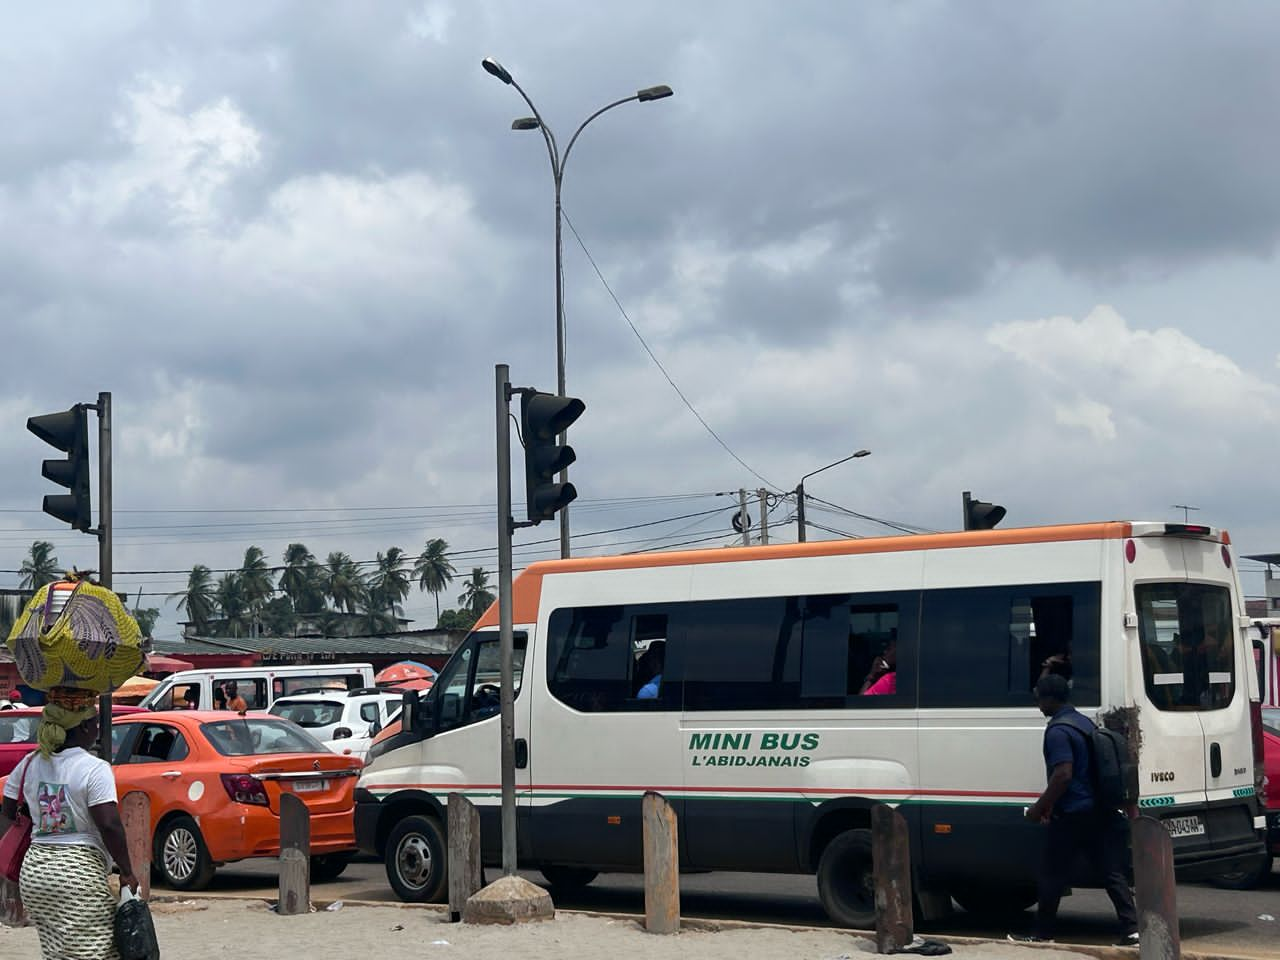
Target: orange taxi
[{"x": 215, "y": 780}]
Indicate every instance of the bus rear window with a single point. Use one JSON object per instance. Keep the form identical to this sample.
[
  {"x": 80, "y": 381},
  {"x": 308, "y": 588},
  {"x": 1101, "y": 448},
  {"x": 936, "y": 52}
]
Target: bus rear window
[{"x": 1188, "y": 650}]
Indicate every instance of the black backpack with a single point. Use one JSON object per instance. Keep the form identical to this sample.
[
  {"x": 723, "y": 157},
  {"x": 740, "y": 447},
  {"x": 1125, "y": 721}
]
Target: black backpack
[{"x": 1113, "y": 773}]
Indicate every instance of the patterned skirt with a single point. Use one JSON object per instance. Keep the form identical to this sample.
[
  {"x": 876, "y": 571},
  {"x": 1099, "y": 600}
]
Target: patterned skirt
[{"x": 64, "y": 889}]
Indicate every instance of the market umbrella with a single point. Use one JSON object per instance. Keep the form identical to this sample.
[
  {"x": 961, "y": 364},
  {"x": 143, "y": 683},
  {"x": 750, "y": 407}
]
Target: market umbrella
[
  {"x": 134, "y": 689},
  {"x": 160, "y": 663},
  {"x": 395, "y": 674},
  {"x": 413, "y": 683},
  {"x": 74, "y": 633}
]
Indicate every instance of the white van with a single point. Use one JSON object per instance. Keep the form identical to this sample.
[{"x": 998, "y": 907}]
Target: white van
[
  {"x": 775, "y": 728},
  {"x": 259, "y": 687}
]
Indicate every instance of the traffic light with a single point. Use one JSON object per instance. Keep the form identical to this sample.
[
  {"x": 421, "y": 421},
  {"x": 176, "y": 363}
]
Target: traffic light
[
  {"x": 980, "y": 515},
  {"x": 543, "y": 417},
  {"x": 67, "y": 431}
]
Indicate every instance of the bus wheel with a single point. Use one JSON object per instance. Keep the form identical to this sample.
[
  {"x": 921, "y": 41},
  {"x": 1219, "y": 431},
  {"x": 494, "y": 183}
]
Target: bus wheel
[
  {"x": 567, "y": 878},
  {"x": 415, "y": 859},
  {"x": 1244, "y": 879},
  {"x": 845, "y": 883},
  {"x": 988, "y": 901}
]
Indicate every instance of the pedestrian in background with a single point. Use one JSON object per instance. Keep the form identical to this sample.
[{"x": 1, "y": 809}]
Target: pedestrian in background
[
  {"x": 1075, "y": 821},
  {"x": 76, "y": 832}
]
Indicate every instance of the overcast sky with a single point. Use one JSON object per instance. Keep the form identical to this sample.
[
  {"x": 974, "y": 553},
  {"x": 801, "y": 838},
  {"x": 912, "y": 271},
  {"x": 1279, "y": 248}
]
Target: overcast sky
[{"x": 1028, "y": 250}]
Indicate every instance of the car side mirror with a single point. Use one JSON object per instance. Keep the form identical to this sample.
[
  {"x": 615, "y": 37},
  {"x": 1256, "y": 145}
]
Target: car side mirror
[{"x": 342, "y": 733}]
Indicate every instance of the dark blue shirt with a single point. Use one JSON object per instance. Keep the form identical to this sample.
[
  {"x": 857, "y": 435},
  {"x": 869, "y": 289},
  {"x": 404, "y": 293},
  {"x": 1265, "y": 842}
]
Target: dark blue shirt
[{"x": 1066, "y": 744}]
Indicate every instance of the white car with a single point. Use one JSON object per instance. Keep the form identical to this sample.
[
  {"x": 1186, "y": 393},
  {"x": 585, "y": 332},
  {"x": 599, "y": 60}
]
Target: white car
[{"x": 345, "y": 721}]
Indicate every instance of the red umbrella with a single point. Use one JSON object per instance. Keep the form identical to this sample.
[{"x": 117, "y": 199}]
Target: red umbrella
[
  {"x": 413, "y": 683},
  {"x": 397, "y": 673}
]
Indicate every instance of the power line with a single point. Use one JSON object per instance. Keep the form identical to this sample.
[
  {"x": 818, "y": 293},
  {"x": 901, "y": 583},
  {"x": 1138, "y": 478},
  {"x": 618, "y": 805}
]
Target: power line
[{"x": 653, "y": 357}]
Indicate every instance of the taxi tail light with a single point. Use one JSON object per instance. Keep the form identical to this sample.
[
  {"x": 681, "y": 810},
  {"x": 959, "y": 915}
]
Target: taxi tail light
[{"x": 243, "y": 788}]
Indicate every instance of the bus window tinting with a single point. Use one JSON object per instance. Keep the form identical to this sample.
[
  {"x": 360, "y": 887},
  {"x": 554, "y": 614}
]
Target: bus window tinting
[
  {"x": 984, "y": 646},
  {"x": 1188, "y": 648},
  {"x": 740, "y": 654}
]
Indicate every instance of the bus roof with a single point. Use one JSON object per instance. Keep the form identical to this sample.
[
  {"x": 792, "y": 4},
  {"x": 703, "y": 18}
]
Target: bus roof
[{"x": 527, "y": 587}]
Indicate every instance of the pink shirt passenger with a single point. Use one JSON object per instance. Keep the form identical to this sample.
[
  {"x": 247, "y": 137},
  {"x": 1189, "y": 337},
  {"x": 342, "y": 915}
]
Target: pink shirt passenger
[{"x": 886, "y": 684}]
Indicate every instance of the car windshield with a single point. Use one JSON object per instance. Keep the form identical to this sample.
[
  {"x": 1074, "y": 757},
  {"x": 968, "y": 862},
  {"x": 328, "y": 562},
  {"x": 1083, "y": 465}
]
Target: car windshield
[
  {"x": 309, "y": 713},
  {"x": 1271, "y": 721},
  {"x": 252, "y": 736},
  {"x": 1188, "y": 646},
  {"x": 20, "y": 729}
]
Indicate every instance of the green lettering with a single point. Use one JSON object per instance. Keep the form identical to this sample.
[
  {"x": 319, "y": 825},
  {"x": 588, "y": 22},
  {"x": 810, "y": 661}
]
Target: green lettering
[
  {"x": 695, "y": 762},
  {"x": 731, "y": 741},
  {"x": 768, "y": 741},
  {"x": 810, "y": 742},
  {"x": 775, "y": 761},
  {"x": 804, "y": 762},
  {"x": 700, "y": 741}
]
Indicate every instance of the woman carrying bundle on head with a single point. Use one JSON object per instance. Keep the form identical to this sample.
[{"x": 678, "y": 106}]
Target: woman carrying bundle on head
[{"x": 76, "y": 831}]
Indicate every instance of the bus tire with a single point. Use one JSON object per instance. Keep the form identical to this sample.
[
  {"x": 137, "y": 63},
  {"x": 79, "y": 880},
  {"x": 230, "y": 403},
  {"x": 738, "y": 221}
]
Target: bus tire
[
  {"x": 994, "y": 901},
  {"x": 846, "y": 883},
  {"x": 415, "y": 860},
  {"x": 1244, "y": 879},
  {"x": 567, "y": 878}
]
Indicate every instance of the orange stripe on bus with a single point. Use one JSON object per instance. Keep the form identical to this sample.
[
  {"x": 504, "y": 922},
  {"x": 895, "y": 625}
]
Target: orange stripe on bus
[{"x": 527, "y": 588}]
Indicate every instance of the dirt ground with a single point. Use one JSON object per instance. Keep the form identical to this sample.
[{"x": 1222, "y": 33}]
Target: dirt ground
[{"x": 248, "y": 930}]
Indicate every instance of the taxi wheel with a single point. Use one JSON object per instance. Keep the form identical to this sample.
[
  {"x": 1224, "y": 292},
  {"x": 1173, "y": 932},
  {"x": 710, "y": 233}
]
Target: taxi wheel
[
  {"x": 845, "y": 883},
  {"x": 181, "y": 857},
  {"x": 415, "y": 861},
  {"x": 567, "y": 878},
  {"x": 329, "y": 866}
]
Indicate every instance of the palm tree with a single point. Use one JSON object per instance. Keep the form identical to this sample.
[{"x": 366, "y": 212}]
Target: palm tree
[
  {"x": 255, "y": 581},
  {"x": 389, "y": 582},
  {"x": 476, "y": 595},
  {"x": 39, "y": 567},
  {"x": 233, "y": 602},
  {"x": 433, "y": 569},
  {"x": 314, "y": 594},
  {"x": 373, "y": 613},
  {"x": 197, "y": 600},
  {"x": 343, "y": 581},
  {"x": 293, "y": 580},
  {"x": 146, "y": 618}
]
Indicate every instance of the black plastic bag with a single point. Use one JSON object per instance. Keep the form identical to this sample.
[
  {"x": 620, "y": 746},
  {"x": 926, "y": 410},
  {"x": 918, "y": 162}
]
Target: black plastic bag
[{"x": 135, "y": 933}]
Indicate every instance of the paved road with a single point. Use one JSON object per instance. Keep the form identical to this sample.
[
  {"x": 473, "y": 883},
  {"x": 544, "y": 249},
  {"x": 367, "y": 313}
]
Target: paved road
[{"x": 1213, "y": 920}]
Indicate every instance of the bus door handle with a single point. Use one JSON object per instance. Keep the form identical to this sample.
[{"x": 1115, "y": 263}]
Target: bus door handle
[
  {"x": 1215, "y": 759},
  {"x": 522, "y": 753}
]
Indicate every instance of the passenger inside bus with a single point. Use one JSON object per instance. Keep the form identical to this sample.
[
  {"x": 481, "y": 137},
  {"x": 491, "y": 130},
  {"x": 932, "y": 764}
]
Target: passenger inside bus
[
  {"x": 649, "y": 670},
  {"x": 882, "y": 678}
]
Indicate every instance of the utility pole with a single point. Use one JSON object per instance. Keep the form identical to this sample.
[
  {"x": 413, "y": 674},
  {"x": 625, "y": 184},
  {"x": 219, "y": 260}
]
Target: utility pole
[
  {"x": 800, "y": 535},
  {"x": 505, "y": 642},
  {"x": 104, "y": 548},
  {"x": 744, "y": 518},
  {"x": 764, "y": 515}
]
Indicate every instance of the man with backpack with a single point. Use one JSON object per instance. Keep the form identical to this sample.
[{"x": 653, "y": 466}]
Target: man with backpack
[{"x": 1080, "y": 809}]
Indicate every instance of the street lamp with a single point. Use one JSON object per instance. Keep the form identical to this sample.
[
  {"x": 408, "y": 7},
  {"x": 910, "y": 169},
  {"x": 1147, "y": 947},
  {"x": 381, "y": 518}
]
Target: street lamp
[
  {"x": 558, "y": 161},
  {"x": 800, "y": 486}
]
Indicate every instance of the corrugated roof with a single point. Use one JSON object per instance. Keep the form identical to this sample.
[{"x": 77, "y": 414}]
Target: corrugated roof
[{"x": 435, "y": 643}]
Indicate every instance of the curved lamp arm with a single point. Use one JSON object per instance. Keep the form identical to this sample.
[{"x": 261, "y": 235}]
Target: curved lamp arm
[
  {"x": 582, "y": 126},
  {"x": 553, "y": 151}
]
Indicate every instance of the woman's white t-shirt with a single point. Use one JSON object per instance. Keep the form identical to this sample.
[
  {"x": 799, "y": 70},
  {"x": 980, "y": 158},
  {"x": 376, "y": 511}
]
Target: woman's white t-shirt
[{"x": 59, "y": 792}]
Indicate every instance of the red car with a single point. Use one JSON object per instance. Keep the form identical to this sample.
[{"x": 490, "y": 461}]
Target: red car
[
  {"x": 18, "y": 733},
  {"x": 1271, "y": 764}
]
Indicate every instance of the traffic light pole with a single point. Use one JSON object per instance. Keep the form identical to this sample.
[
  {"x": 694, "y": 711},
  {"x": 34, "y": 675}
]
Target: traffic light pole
[
  {"x": 104, "y": 548},
  {"x": 505, "y": 641}
]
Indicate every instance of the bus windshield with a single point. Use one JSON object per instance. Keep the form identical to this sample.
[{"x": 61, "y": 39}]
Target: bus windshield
[{"x": 1188, "y": 650}]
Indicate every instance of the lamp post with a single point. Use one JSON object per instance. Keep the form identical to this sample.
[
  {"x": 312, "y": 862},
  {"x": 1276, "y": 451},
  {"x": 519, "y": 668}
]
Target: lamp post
[
  {"x": 800, "y": 487},
  {"x": 558, "y": 161}
]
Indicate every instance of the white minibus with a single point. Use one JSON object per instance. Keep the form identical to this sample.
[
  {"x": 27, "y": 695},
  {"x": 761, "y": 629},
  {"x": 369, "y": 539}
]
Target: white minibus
[
  {"x": 775, "y": 694},
  {"x": 259, "y": 687}
]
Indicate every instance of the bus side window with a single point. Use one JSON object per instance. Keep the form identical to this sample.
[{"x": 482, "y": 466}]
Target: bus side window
[{"x": 1040, "y": 631}]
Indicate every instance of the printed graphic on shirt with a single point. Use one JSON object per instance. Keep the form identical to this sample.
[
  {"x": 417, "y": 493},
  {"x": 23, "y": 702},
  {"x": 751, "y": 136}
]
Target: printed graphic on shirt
[{"x": 56, "y": 815}]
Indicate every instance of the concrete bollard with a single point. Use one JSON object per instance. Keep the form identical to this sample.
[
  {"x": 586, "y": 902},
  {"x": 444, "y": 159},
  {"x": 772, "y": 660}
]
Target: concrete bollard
[
  {"x": 295, "y": 856},
  {"x": 1154, "y": 891},
  {"x": 135, "y": 815},
  {"x": 465, "y": 871},
  {"x": 661, "y": 865},
  {"x": 891, "y": 860}
]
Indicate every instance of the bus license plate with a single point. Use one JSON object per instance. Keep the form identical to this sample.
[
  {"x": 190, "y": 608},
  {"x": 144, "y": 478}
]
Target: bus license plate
[
  {"x": 315, "y": 786},
  {"x": 1184, "y": 826}
]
